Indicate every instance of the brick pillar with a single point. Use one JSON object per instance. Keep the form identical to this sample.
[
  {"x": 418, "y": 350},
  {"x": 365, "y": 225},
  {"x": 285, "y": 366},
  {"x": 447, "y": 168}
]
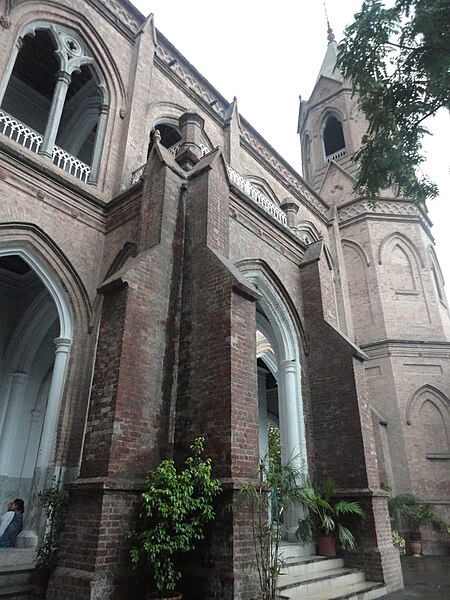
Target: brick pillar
[
  {"x": 131, "y": 405},
  {"x": 217, "y": 393},
  {"x": 342, "y": 424}
]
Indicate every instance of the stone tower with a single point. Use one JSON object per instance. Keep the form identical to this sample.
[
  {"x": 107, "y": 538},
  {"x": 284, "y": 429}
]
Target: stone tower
[{"x": 391, "y": 295}]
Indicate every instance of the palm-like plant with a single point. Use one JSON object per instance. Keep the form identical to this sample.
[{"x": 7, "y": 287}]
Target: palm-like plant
[
  {"x": 415, "y": 513},
  {"x": 324, "y": 514}
]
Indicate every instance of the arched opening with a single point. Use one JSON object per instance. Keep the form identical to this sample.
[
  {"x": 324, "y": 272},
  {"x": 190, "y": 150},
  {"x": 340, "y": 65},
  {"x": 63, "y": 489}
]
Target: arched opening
[
  {"x": 55, "y": 102},
  {"x": 32, "y": 372},
  {"x": 31, "y": 86},
  {"x": 333, "y": 136},
  {"x": 170, "y": 137},
  {"x": 279, "y": 383}
]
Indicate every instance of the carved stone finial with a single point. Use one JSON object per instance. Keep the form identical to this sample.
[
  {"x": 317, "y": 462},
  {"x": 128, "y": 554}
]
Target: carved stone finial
[
  {"x": 157, "y": 136},
  {"x": 5, "y": 22},
  {"x": 330, "y": 36}
]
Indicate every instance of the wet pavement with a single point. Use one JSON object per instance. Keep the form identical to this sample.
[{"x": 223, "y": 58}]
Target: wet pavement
[{"x": 425, "y": 578}]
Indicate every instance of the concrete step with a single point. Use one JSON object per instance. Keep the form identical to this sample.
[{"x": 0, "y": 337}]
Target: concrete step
[
  {"x": 305, "y": 565},
  {"x": 313, "y": 583},
  {"x": 364, "y": 590},
  {"x": 18, "y": 592},
  {"x": 15, "y": 576},
  {"x": 294, "y": 549}
]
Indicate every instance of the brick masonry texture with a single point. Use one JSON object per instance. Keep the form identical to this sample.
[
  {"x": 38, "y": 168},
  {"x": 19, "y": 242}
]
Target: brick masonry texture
[{"x": 166, "y": 281}]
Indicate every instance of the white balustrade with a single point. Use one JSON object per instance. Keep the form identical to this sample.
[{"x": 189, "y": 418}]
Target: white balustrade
[
  {"x": 20, "y": 133},
  {"x": 336, "y": 155},
  {"x": 256, "y": 195},
  {"x": 69, "y": 163},
  {"x": 28, "y": 138}
]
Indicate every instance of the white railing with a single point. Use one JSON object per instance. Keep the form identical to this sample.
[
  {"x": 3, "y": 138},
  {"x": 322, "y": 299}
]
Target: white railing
[
  {"x": 28, "y": 138},
  {"x": 20, "y": 133},
  {"x": 256, "y": 195},
  {"x": 336, "y": 155},
  {"x": 70, "y": 164}
]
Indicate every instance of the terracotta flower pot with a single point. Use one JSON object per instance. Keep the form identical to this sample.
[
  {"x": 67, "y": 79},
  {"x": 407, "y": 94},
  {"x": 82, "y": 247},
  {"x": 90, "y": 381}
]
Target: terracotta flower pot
[
  {"x": 326, "y": 545},
  {"x": 415, "y": 548}
]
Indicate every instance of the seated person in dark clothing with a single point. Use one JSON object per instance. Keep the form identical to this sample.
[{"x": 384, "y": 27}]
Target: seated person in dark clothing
[{"x": 11, "y": 523}]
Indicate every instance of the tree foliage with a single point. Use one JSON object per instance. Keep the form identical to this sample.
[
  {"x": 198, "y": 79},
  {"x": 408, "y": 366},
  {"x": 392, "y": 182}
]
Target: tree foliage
[
  {"x": 55, "y": 501},
  {"x": 176, "y": 506},
  {"x": 398, "y": 59}
]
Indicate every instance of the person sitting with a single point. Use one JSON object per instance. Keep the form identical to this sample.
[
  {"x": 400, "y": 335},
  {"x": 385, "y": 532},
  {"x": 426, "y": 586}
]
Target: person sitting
[{"x": 11, "y": 523}]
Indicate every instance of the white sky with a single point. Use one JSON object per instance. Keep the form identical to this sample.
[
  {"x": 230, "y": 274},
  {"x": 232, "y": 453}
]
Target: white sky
[{"x": 267, "y": 54}]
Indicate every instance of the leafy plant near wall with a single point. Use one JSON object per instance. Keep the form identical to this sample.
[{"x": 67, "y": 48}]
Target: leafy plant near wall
[
  {"x": 176, "y": 506},
  {"x": 277, "y": 487},
  {"x": 325, "y": 514},
  {"x": 55, "y": 502},
  {"x": 415, "y": 513}
]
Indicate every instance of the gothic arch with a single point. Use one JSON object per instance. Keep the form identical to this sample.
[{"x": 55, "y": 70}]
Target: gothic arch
[
  {"x": 93, "y": 64},
  {"x": 169, "y": 113},
  {"x": 359, "y": 249},
  {"x": 279, "y": 323},
  {"x": 422, "y": 395},
  {"x": 26, "y": 16},
  {"x": 262, "y": 185},
  {"x": 437, "y": 274},
  {"x": 308, "y": 229},
  {"x": 56, "y": 272},
  {"x": 397, "y": 238}
]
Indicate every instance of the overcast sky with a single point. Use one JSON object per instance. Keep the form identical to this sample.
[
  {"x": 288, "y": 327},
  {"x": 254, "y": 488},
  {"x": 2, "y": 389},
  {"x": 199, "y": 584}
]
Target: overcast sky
[{"x": 267, "y": 54}]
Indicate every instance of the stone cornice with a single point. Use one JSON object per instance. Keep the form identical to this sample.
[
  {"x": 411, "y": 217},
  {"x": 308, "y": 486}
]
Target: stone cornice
[
  {"x": 405, "y": 348},
  {"x": 390, "y": 207}
]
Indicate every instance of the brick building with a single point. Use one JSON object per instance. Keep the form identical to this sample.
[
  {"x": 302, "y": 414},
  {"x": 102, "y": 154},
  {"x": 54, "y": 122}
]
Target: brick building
[{"x": 190, "y": 282}]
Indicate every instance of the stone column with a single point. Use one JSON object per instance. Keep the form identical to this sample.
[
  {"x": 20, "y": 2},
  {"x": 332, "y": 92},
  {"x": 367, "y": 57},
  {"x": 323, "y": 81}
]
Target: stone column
[
  {"x": 99, "y": 141},
  {"x": 262, "y": 406},
  {"x": 12, "y": 413},
  {"x": 289, "y": 425},
  {"x": 54, "y": 402},
  {"x": 59, "y": 96}
]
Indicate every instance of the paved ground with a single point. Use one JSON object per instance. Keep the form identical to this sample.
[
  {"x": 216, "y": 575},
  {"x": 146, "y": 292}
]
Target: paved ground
[{"x": 425, "y": 578}]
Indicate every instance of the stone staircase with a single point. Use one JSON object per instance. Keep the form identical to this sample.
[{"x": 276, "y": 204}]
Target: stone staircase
[
  {"x": 321, "y": 578},
  {"x": 16, "y": 567}
]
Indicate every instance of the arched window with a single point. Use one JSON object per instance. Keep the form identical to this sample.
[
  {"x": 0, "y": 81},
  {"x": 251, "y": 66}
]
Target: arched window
[
  {"x": 333, "y": 137},
  {"x": 55, "y": 101},
  {"x": 170, "y": 137}
]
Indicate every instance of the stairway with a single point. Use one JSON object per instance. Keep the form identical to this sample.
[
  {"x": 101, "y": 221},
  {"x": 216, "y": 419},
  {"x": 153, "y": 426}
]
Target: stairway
[
  {"x": 321, "y": 578},
  {"x": 16, "y": 567}
]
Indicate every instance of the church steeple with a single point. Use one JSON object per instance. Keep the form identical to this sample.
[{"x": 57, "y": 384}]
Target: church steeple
[
  {"x": 328, "y": 68},
  {"x": 330, "y": 125}
]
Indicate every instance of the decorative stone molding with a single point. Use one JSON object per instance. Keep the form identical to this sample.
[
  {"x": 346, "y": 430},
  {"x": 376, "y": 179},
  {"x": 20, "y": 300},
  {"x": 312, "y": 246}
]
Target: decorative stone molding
[
  {"x": 383, "y": 207},
  {"x": 117, "y": 9},
  {"x": 192, "y": 83},
  {"x": 289, "y": 178},
  {"x": 5, "y": 22}
]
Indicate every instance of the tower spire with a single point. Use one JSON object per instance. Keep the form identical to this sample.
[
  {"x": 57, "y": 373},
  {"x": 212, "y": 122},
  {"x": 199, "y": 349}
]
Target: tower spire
[{"x": 330, "y": 36}]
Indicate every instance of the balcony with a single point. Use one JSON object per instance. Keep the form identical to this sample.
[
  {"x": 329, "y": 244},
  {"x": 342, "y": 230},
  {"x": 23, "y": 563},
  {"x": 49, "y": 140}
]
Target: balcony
[{"x": 32, "y": 140}]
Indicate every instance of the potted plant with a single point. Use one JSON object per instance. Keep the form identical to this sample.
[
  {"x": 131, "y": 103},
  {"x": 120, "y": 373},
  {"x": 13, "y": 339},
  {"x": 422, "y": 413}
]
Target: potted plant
[
  {"x": 276, "y": 487},
  {"x": 323, "y": 520},
  {"x": 415, "y": 513},
  {"x": 176, "y": 506}
]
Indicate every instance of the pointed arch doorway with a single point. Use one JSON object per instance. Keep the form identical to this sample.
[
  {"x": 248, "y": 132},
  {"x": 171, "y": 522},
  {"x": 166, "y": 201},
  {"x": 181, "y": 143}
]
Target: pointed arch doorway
[
  {"x": 35, "y": 338},
  {"x": 279, "y": 381}
]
